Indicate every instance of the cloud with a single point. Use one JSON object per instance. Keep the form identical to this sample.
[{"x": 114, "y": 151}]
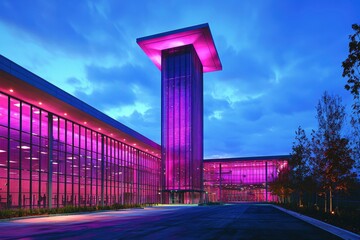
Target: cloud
[{"x": 278, "y": 58}]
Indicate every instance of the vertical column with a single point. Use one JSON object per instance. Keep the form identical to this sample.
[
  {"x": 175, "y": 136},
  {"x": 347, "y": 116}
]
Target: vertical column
[
  {"x": 220, "y": 179},
  {"x": 50, "y": 159},
  {"x": 8, "y": 197},
  {"x": 138, "y": 175},
  {"x": 31, "y": 158},
  {"x": 102, "y": 169},
  {"x": 182, "y": 112},
  {"x": 266, "y": 180},
  {"x": 20, "y": 155}
]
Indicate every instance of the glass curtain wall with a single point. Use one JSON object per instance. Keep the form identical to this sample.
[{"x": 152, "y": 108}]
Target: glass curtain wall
[
  {"x": 245, "y": 180},
  {"x": 182, "y": 124},
  {"x": 86, "y": 168}
]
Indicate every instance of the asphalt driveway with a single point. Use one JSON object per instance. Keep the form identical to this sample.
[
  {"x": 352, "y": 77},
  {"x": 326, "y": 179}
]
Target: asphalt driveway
[{"x": 243, "y": 221}]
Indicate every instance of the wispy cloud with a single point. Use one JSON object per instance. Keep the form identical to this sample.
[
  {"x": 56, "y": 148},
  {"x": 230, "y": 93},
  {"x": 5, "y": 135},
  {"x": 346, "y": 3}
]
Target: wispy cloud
[{"x": 278, "y": 57}]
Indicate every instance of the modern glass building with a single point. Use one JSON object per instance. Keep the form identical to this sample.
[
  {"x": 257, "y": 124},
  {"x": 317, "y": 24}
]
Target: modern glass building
[
  {"x": 56, "y": 150},
  {"x": 182, "y": 56},
  {"x": 242, "y": 179}
]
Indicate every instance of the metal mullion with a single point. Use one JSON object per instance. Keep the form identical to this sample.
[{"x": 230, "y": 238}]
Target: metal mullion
[
  {"x": 85, "y": 167},
  {"x": 72, "y": 165},
  {"x": 31, "y": 155},
  {"x": 102, "y": 169},
  {"x": 8, "y": 200},
  {"x": 119, "y": 171},
  {"x": 58, "y": 166},
  {"x": 65, "y": 161},
  {"x": 79, "y": 166},
  {"x": 91, "y": 167},
  {"x": 40, "y": 155},
  {"x": 50, "y": 159},
  {"x": 20, "y": 156}
]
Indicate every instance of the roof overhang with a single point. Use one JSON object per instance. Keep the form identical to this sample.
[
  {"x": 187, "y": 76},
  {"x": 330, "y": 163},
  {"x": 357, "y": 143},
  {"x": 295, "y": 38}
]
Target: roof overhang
[{"x": 199, "y": 36}]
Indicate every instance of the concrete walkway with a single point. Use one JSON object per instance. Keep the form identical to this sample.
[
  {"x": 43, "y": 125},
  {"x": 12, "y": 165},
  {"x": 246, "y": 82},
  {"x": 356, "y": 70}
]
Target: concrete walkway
[
  {"x": 344, "y": 234},
  {"x": 243, "y": 221}
]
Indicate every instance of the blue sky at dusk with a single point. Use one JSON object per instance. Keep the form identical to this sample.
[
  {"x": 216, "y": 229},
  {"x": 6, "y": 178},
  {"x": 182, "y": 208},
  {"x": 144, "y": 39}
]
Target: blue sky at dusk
[{"x": 278, "y": 58}]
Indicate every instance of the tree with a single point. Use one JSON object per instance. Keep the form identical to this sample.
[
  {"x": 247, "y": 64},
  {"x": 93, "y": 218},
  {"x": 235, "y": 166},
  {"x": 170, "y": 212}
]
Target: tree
[
  {"x": 331, "y": 160},
  {"x": 281, "y": 185},
  {"x": 351, "y": 71},
  {"x": 352, "y": 63},
  {"x": 299, "y": 163}
]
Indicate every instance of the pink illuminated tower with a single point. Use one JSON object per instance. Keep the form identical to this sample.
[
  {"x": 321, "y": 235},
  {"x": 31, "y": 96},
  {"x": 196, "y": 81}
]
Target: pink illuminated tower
[{"x": 182, "y": 56}]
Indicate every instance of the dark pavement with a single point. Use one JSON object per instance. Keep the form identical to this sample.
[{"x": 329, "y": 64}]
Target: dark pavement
[{"x": 243, "y": 221}]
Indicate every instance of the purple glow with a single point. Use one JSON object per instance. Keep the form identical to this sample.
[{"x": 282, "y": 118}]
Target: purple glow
[
  {"x": 198, "y": 36},
  {"x": 241, "y": 180},
  {"x": 182, "y": 56},
  {"x": 86, "y": 167},
  {"x": 182, "y": 129}
]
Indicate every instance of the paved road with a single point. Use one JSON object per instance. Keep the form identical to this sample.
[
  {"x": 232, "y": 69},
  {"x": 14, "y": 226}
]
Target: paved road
[{"x": 245, "y": 221}]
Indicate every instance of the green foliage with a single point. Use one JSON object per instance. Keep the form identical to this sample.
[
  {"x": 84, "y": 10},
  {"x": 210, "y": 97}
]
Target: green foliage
[
  {"x": 281, "y": 186},
  {"x": 332, "y": 163},
  {"x": 11, "y": 213},
  {"x": 299, "y": 164},
  {"x": 343, "y": 218},
  {"x": 352, "y": 73},
  {"x": 321, "y": 167},
  {"x": 352, "y": 63}
]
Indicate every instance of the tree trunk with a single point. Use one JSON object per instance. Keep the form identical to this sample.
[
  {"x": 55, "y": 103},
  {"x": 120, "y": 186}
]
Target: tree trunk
[
  {"x": 325, "y": 207},
  {"x": 330, "y": 201}
]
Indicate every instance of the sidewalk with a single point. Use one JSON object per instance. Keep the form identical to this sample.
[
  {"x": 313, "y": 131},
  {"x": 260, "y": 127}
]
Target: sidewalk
[{"x": 325, "y": 226}]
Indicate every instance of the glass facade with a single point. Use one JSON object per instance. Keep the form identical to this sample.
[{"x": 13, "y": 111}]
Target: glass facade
[
  {"x": 242, "y": 179},
  {"x": 182, "y": 124},
  {"x": 49, "y": 161}
]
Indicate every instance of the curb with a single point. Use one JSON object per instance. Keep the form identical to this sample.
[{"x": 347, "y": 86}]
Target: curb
[{"x": 344, "y": 234}]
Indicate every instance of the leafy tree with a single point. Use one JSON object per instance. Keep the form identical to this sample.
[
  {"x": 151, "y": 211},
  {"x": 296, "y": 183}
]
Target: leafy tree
[
  {"x": 352, "y": 72},
  {"x": 331, "y": 160},
  {"x": 281, "y": 185},
  {"x": 352, "y": 63},
  {"x": 299, "y": 163}
]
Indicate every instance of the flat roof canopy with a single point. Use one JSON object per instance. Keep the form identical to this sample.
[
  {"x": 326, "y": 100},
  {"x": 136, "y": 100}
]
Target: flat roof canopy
[{"x": 199, "y": 36}]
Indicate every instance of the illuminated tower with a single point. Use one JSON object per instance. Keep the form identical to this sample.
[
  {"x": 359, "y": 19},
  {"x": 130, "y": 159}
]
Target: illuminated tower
[{"x": 182, "y": 56}]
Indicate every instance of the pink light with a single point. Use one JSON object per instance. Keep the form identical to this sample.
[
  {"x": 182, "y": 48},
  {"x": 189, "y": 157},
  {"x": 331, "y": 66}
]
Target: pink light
[
  {"x": 199, "y": 36},
  {"x": 85, "y": 123},
  {"x": 65, "y": 114},
  {"x": 40, "y": 103},
  {"x": 23, "y": 147},
  {"x": 11, "y": 90}
]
